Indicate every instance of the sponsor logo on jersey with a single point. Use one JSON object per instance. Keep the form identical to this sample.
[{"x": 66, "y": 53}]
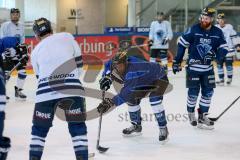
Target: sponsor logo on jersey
[
  {"x": 205, "y": 41},
  {"x": 57, "y": 77},
  {"x": 43, "y": 115}
]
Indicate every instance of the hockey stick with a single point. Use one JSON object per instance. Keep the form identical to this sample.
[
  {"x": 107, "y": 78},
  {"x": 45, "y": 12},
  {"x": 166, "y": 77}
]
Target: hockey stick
[
  {"x": 7, "y": 76},
  {"x": 100, "y": 148},
  {"x": 216, "y": 118}
]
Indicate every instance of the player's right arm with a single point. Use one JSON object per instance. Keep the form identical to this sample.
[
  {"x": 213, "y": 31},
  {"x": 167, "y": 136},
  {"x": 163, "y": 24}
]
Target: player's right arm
[
  {"x": 151, "y": 35},
  {"x": 106, "y": 80},
  {"x": 183, "y": 43},
  {"x": 34, "y": 63},
  {"x": 3, "y": 30}
]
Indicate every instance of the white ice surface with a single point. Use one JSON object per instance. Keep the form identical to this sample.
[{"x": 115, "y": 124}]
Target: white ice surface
[{"x": 186, "y": 143}]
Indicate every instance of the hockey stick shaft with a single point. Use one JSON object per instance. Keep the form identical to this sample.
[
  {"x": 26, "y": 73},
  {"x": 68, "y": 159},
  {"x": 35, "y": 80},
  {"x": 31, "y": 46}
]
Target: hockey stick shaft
[
  {"x": 100, "y": 122},
  {"x": 99, "y": 148},
  {"x": 15, "y": 67},
  {"x": 227, "y": 108}
]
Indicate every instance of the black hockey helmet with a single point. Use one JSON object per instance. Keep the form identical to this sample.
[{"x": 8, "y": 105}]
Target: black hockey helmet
[
  {"x": 221, "y": 16},
  {"x": 41, "y": 27},
  {"x": 208, "y": 12},
  {"x": 14, "y": 10},
  {"x": 120, "y": 57},
  {"x": 160, "y": 14}
]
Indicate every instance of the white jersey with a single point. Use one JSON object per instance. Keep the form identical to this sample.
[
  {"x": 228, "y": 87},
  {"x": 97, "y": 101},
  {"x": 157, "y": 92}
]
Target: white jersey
[
  {"x": 10, "y": 29},
  {"x": 159, "y": 32},
  {"x": 228, "y": 32},
  {"x": 56, "y": 61}
]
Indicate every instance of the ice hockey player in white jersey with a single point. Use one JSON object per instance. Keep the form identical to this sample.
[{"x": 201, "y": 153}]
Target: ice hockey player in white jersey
[
  {"x": 228, "y": 32},
  {"x": 57, "y": 63},
  {"x": 159, "y": 36},
  {"x": 14, "y": 28}
]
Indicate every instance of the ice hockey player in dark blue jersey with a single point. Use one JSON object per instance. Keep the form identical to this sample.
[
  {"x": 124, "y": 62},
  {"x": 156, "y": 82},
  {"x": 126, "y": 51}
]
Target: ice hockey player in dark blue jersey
[
  {"x": 5, "y": 51},
  {"x": 139, "y": 79},
  {"x": 203, "y": 41}
]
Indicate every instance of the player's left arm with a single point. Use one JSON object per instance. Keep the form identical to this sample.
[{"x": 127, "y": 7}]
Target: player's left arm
[
  {"x": 169, "y": 31},
  {"x": 77, "y": 55},
  {"x": 222, "y": 49},
  {"x": 34, "y": 64}
]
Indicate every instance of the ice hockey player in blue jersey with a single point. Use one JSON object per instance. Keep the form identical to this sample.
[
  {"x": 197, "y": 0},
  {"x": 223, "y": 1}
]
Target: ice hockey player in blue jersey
[
  {"x": 7, "y": 46},
  {"x": 204, "y": 42},
  {"x": 137, "y": 77}
]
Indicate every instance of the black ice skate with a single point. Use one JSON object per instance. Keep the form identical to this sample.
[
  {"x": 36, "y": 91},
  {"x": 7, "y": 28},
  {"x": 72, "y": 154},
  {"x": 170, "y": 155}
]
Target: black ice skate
[
  {"x": 204, "y": 122},
  {"x": 134, "y": 130},
  {"x": 229, "y": 81},
  {"x": 220, "y": 83},
  {"x": 19, "y": 95},
  {"x": 163, "y": 134},
  {"x": 34, "y": 158},
  {"x": 192, "y": 118}
]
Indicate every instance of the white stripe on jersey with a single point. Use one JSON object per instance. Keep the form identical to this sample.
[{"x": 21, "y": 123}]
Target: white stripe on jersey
[{"x": 201, "y": 68}]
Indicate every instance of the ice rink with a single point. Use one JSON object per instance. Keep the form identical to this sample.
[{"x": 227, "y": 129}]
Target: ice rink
[{"x": 185, "y": 143}]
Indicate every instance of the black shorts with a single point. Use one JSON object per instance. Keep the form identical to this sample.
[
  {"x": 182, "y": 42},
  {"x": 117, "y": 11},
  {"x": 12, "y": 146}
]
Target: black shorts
[
  {"x": 159, "y": 53},
  {"x": 70, "y": 109},
  {"x": 197, "y": 80}
]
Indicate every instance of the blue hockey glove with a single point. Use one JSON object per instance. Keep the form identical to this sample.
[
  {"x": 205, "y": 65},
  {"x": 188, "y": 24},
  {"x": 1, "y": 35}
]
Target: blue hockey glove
[
  {"x": 105, "y": 82},
  {"x": 176, "y": 67}
]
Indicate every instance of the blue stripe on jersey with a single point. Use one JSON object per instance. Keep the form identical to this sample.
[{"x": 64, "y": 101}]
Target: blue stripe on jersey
[
  {"x": 59, "y": 82},
  {"x": 59, "y": 88}
]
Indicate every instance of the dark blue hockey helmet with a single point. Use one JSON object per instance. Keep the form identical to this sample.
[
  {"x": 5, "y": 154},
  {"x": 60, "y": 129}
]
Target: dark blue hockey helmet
[{"x": 41, "y": 27}]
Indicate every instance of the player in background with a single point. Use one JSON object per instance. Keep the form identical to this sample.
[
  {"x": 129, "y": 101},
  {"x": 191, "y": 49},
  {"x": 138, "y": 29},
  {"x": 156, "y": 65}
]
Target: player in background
[
  {"x": 159, "y": 36},
  {"x": 228, "y": 32},
  {"x": 14, "y": 28},
  {"x": 57, "y": 88},
  {"x": 204, "y": 42},
  {"x": 134, "y": 74}
]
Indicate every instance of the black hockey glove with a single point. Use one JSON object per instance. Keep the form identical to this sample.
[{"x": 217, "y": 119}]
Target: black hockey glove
[
  {"x": 24, "y": 59},
  {"x": 9, "y": 53},
  {"x": 164, "y": 41},
  {"x": 150, "y": 43},
  {"x": 238, "y": 48},
  {"x": 106, "y": 104},
  {"x": 210, "y": 56},
  {"x": 176, "y": 67},
  {"x": 105, "y": 82}
]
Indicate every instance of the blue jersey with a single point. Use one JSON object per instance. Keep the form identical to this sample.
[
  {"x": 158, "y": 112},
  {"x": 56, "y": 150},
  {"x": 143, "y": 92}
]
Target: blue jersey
[
  {"x": 200, "y": 43},
  {"x": 7, "y": 42},
  {"x": 139, "y": 73}
]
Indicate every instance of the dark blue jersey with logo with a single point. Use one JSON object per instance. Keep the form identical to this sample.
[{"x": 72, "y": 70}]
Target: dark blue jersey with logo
[{"x": 201, "y": 43}]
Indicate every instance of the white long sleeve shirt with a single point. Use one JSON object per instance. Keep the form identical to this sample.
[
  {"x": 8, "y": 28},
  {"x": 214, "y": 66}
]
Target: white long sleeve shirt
[
  {"x": 159, "y": 32},
  {"x": 56, "y": 61},
  {"x": 10, "y": 29},
  {"x": 228, "y": 32}
]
